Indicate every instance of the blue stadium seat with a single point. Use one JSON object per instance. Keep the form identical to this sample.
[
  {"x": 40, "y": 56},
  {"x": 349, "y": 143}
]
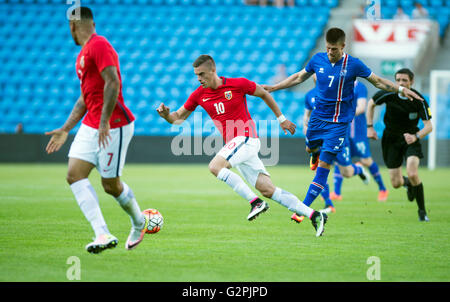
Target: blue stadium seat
[{"x": 436, "y": 3}]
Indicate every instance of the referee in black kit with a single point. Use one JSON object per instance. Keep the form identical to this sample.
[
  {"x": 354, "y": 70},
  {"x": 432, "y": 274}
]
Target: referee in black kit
[{"x": 401, "y": 137}]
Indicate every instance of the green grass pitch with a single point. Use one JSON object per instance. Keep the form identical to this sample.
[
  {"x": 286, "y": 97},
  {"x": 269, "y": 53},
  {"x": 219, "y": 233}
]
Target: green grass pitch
[{"x": 206, "y": 236}]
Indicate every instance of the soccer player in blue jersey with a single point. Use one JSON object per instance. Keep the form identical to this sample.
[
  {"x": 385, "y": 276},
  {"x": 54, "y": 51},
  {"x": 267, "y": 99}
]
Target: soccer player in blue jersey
[
  {"x": 310, "y": 98},
  {"x": 336, "y": 73},
  {"x": 359, "y": 146},
  {"x": 343, "y": 159}
]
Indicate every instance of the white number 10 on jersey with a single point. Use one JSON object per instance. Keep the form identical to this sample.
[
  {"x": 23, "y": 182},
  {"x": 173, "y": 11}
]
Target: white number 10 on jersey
[{"x": 220, "y": 108}]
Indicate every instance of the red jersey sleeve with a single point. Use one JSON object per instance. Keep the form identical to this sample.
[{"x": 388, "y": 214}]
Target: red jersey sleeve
[
  {"x": 103, "y": 55},
  {"x": 247, "y": 86},
  {"x": 193, "y": 100}
]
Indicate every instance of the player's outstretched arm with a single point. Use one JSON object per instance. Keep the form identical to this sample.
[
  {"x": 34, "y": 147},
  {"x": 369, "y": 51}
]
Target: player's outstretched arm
[
  {"x": 292, "y": 80},
  {"x": 176, "y": 117},
  {"x": 59, "y": 136},
  {"x": 371, "y": 133},
  {"x": 385, "y": 84},
  {"x": 285, "y": 124}
]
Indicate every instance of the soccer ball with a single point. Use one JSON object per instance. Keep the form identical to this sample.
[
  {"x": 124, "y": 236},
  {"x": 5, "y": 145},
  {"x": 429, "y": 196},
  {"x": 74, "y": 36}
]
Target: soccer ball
[{"x": 155, "y": 221}]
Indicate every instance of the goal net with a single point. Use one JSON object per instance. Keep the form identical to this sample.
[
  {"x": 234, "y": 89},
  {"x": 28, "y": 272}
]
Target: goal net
[{"x": 439, "y": 138}]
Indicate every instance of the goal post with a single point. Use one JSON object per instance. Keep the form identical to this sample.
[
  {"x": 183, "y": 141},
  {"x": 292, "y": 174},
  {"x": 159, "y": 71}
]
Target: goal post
[{"x": 440, "y": 106}]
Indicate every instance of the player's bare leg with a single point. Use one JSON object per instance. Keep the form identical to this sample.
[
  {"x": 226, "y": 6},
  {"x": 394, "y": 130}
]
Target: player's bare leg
[
  {"x": 126, "y": 199},
  {"x": 77, "y": 170},
  {"x": 396, "y": 177},
  {"x": 398, "y": 181},
  {"x": 412, "y": 169},
  {"x": 220, "y": 168},
  {"x": 77, "y": 177}
]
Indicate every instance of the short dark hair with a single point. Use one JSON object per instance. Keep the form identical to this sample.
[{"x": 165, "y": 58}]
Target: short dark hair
[
  {"x": 335, "y": 35},
  {"x": 203, "y": 59},
  {"x": 84, "y": 12},
  {"x": 406, "y": 71}
]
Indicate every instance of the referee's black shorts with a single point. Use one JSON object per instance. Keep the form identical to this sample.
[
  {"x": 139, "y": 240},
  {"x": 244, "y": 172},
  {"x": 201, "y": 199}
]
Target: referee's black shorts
[{"x": 395, "y": 149}]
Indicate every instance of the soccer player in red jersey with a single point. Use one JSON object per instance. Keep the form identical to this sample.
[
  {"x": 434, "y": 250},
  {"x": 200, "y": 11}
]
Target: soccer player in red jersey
[
  {"x": 103, "y": 138},
  {"x": 224, "y": 99}
]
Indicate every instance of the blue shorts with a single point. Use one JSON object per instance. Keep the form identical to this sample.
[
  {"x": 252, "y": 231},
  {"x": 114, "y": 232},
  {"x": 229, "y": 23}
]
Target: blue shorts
[
  {"x": 330, "y": 136},
  {"x": 344, "y": 157},
  {"x": 359, "y": 147}
]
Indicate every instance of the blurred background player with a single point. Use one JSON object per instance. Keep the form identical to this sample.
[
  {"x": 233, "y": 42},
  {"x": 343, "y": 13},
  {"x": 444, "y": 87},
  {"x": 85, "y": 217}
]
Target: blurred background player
[
  {"x": 103, "y": 138},
  {"x": 358, "y": 145},
  {"x": 401, "y": 137},
  {"x": 224, "y": 99},
  {"x": 336, "y": 73}
]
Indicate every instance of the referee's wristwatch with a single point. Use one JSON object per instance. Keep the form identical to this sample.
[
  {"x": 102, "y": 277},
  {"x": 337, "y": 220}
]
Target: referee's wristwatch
[
  {"x": 417, "y": 136},
  {"x": 369, "y": 126}
]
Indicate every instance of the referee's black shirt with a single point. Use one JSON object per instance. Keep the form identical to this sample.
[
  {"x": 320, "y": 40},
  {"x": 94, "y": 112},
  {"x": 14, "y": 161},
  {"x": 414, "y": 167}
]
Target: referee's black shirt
[{"x": 402, "y": 115}]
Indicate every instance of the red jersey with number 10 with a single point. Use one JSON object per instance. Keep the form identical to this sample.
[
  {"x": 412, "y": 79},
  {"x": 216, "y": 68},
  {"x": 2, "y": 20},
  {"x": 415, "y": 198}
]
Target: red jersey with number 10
[
  {"x": 227, "y": 107},
  {"x": 96, "y": 55}
]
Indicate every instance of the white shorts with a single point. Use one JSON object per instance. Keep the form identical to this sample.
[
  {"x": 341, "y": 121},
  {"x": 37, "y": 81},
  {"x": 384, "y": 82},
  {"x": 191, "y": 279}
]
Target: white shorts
[
  {"x": 242, "y": 153},
  {"x": 109, "y": 161}
]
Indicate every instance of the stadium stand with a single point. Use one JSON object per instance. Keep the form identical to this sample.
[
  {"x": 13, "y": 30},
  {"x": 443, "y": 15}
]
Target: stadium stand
[
  {"x": 157, "y": 41},
  {"x": 438, "y": 10},
  {"x": 157, "y": 44}
]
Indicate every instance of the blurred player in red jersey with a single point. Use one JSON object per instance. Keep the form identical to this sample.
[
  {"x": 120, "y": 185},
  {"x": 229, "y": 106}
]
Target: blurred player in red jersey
[
  {"x": 224, "y": 99},
  {"x": 103, "y": 138}
]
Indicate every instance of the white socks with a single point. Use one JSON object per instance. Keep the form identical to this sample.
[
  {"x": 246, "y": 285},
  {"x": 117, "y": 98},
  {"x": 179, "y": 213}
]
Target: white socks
[
  {"x": 237, "y": 184},
  {"x": 284, "y": 198},
  {"x": 291, "y": 202},
  {"x": 88, "y": 202},
  {"x": 129, "y": 204}
]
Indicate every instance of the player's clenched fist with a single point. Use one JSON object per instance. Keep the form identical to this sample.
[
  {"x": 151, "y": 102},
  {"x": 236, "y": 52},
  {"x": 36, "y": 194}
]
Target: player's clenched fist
[{"x": 371, "y": 133}]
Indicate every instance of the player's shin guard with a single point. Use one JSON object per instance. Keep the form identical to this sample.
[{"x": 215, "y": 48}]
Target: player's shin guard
[
  {"x": 88, "y": 202},
  {"x": 317, "y": 185},
  {"x": 291, "y": 202},
  {"x": 237, "y": 184},
  {"x": 129, "y": 204}
]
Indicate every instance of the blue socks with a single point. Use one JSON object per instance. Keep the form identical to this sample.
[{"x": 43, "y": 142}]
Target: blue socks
[
  {"x": 318, "y": 184},
  {"x": 337, "y": 179},
  {"x": 377, "y": 176}
]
